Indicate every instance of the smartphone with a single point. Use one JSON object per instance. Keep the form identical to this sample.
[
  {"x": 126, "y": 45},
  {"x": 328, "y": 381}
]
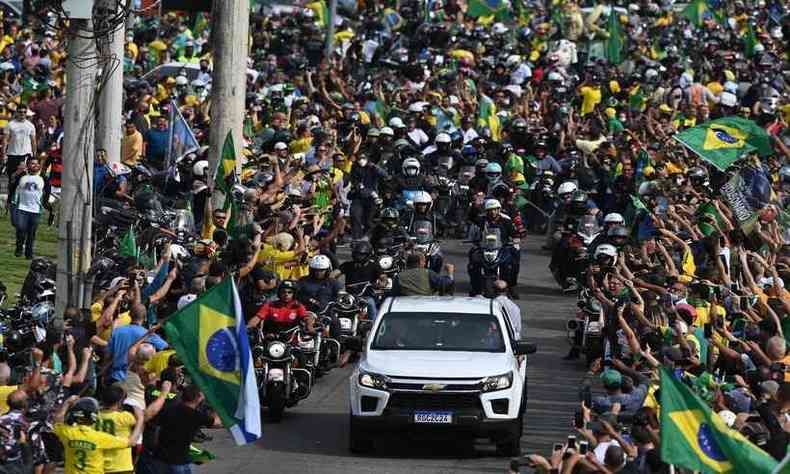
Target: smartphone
[
  {"x": 583, "y": 447},
  {"x": 571, "y": 442},
  {"x": 557, "y": 446},
  {"x": 708, "y": 330},
  {"x": 578, "y": 419}
]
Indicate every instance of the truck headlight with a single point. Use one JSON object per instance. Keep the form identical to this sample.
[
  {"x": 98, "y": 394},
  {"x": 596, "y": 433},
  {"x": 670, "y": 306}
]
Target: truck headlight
[
  {"x": 371, "y": 380},
  {"x": 497, "y": 382}
]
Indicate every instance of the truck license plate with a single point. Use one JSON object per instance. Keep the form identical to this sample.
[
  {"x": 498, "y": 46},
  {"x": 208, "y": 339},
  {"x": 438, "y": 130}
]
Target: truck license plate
[{"x": 433, "y": 417}]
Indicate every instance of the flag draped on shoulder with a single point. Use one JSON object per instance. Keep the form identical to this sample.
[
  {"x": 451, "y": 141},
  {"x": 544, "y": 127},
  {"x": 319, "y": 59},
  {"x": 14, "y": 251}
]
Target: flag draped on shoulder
[
  {"x": 723, "y": 141},
  {"x": 499, "y": 9},
  {"x": 696, "y": 438},
  {"x": 210, "y": 338},
  {"x": 488, "y": 117},
  {"x": 225, "y": 175}
]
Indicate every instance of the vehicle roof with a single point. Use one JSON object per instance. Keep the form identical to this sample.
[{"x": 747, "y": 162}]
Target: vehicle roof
[{"x": 439, "y": 304}]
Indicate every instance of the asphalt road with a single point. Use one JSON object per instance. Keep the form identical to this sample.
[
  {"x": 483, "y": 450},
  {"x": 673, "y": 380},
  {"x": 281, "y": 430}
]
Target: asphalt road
[{"x": 313, "y": 436}]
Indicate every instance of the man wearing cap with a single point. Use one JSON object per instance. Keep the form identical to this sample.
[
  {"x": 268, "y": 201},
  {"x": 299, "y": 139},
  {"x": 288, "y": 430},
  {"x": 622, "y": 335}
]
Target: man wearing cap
[
  {"x": 612, "y": 380},
  {"x": 20, "y": 144}
]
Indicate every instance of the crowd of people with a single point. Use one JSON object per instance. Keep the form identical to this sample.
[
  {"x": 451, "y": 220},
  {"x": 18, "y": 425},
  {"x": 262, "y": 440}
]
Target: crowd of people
[{"x": 545, "y": 117}]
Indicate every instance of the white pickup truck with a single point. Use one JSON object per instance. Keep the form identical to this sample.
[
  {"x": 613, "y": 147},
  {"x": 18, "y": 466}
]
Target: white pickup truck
[{"x": 440, "y": 366}]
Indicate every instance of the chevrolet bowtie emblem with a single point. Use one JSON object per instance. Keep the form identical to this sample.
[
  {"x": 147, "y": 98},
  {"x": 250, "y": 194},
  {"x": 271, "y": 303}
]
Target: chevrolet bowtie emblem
[{"x": 433, "y": 387}]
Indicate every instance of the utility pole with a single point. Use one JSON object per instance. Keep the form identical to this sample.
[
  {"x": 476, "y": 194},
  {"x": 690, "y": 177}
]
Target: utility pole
[
  {"x": 74, "y": 230},
  {"x": 110, "y": 100},
  {"x": 230, "y": 20},
  {"x": 330, "y": 32}
]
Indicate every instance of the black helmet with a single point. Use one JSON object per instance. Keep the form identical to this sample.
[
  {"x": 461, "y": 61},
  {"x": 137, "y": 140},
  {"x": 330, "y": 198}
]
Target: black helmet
[
  {"x": 697, "y": 175},
  {"x": 345, "y": 302},
  {"x": 501, "y": 192},
  {"x": 85, "y": 411},
  {"x": 390, "y": 213},
  {"x": 520, "y": 125},
  {"x": 617, "y": 231},
  {"x": 286, "y": 285},
  {"x": 361, "y": 251}
]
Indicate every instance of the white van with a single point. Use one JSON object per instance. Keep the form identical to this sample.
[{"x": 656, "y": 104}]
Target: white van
[{"x": 440, "y": 366}]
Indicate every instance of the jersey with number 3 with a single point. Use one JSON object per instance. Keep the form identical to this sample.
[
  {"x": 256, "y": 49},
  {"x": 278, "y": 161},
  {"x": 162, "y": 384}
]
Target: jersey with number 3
[
  {"x": 84, "y": 447},
  {"x": 117, "y": 423}
]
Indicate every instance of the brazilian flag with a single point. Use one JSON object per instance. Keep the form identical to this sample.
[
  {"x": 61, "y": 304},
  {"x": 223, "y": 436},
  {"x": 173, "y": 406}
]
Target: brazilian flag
[
  {"x": 210, "y": 338},
  {"x": 698, "y": 11},
  {"x": 499, "y": 9},
  {"x": 225, "y": 175},
  {"x": 723, "y": 141},
  {"x": 696, "y": 438}
]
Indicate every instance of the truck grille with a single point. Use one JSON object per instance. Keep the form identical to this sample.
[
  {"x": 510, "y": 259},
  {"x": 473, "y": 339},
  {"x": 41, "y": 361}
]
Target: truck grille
[{"x": 433, "y": 401}]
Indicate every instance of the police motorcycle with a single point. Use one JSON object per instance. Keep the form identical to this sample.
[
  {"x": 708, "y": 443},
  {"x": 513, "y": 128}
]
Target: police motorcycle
[
  {"x": 585, "y": 331},
  {"x": 347, "y": 318},
  {"x": 280, "y": 383},
  {"x": 492, "y": 256},
  {"x": 426, "y": 243},
  {"x": 578, "y": 244}
]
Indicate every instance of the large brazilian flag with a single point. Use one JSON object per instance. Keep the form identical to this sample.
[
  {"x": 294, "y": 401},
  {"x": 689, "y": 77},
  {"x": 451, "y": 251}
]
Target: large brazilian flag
[{"x": 723, "y": 141}]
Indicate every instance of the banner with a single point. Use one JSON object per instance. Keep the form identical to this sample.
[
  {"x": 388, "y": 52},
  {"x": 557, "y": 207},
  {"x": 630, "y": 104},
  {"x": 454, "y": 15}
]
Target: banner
[
  {"x": 182, "y": 140},
  {"x": 734, "y": 193}
]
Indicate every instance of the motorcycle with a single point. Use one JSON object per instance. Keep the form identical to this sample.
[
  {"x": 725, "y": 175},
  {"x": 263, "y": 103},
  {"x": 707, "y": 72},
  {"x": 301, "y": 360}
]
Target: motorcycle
[
  {"x": 443, "y": 204},
  {"x": 586, "y": 231},
  {"x": 348, "y": 316},
  {"x": 462, "y": 199},
  {"x": 491, "y": 252},
  {"x": 280, "y": 383},
  {"x": 318, "y": 353},
  {"x": 392, "y": 261},
  {"x": 39, "y": 284},
  {"x": 585, "y": 331},
  {"x": 542, "y": 203},
  {"x": 425, "y": 243}
]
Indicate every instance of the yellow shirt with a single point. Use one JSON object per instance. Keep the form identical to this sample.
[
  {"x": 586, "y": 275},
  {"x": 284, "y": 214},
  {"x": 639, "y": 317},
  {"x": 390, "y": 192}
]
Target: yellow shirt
[
  {"x": 280, "y": 262},
  {"x": 131, "y": 148},
  {"x": 117, "y": 423},
  {"x": 84, "y": 447},
  {"x": 591, "y": 96},
  {"x": 301, "y": 145},
  {"x": 123, "y": 320},
  {"x": 5, "y": 391},
  {"x": 159, "y": 362}
]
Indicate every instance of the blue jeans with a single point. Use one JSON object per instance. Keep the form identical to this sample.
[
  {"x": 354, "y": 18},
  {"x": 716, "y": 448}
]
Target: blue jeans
[
  {"x": 26, "y": 226},
  {"x": 372, "y": 311}
]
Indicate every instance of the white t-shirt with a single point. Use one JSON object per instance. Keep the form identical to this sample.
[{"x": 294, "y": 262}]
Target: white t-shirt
[
  {"x": 600, "y": 450},
  {"x": 20, "y": 137},
  {"x": 29, "y": 193}
]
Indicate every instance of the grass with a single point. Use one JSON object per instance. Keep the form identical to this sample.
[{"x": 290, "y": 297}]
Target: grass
[{"x": 14, "y": 269}]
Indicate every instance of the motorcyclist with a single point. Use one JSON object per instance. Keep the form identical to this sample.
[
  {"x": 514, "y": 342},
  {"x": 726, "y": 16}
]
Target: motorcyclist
[
  {"x": 493, "y": 220},
  {"x": 411, "y": 179},
  {"x": 361, "y": 270},
  {"x": 364, "y": 196},
  {"x": 442, "y": 153},
  {"x": 564, "y": 196},
  {"x": 319, "y": 287},
  {"x": 200, "y": 190},
  {"x": 610, "y": 221},
  {"x": 479, "y": 183},
  {"x": 283, "y": 313},
  {"x": 493, "y": 175},
  {"x": 421, "y": 210},
  {"x": 389, "y": 229},
  {"x": 415, "y": 279}
]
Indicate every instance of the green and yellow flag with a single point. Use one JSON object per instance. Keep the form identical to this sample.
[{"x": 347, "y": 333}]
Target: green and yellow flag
[
  {"x": 488, "y": 117},
  {"x": 128, "y": 246},
  {"x": 498, "y": 9},
  {"x": 697, "y": 10},
  {"x": 613, "y": 47},
  {"x": 226, "y": 167},
  {"x": 321, "y": 11},
  {"x": 750, "y": 41},
  {"x": 723, "y": 141},
  {"x": 696, "y": 438}
]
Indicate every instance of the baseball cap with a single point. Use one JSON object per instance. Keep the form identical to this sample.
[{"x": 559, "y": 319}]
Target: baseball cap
[
  {"x": 611, "y": 378},
  {"x": 728, "y": 417}
]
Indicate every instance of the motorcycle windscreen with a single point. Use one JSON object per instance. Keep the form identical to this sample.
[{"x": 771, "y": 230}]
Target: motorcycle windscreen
[
  {"x": 423, "y": 232},
  {"x": 184, "y": 221},
  {"x": 588, "y": 228}
]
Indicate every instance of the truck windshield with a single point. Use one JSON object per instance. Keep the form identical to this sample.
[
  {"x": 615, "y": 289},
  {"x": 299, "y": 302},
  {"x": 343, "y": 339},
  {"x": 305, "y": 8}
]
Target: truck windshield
[{"x": 439, "y": 332}]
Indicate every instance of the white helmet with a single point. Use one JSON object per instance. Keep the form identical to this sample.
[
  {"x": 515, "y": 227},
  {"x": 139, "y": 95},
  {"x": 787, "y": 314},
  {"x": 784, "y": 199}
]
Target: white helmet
[
  {"x": 443, "y": 138},
  {"x": 178, "y": 251},
  {"x": 567, "y": 187},
  {"x": 200, "y": 168},
  {"x": 411, "y": 164},
  {"x": 492, "y": 204},
  {"x": 387, "y": 131},
  {"x": 397, "y": 122},
  {"x": 606, "y": 250},
  {"x": 182, "y": 81},
  {"x": 613, "y": 218},
  {"x": 417, "y": 107},
  {"x": 422, "y": 197},
  {"x": 320, "y": 262}
]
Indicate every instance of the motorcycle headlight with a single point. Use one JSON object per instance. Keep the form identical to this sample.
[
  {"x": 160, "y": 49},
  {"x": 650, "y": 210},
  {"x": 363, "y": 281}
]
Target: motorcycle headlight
[
  {"x": 385, "y": 262},
  {"x": 276, "y": 349},
  {"x": 345, "y": 323},
  {"x": 371, "y": 380},
  {"x": 497, "y": 382}
]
